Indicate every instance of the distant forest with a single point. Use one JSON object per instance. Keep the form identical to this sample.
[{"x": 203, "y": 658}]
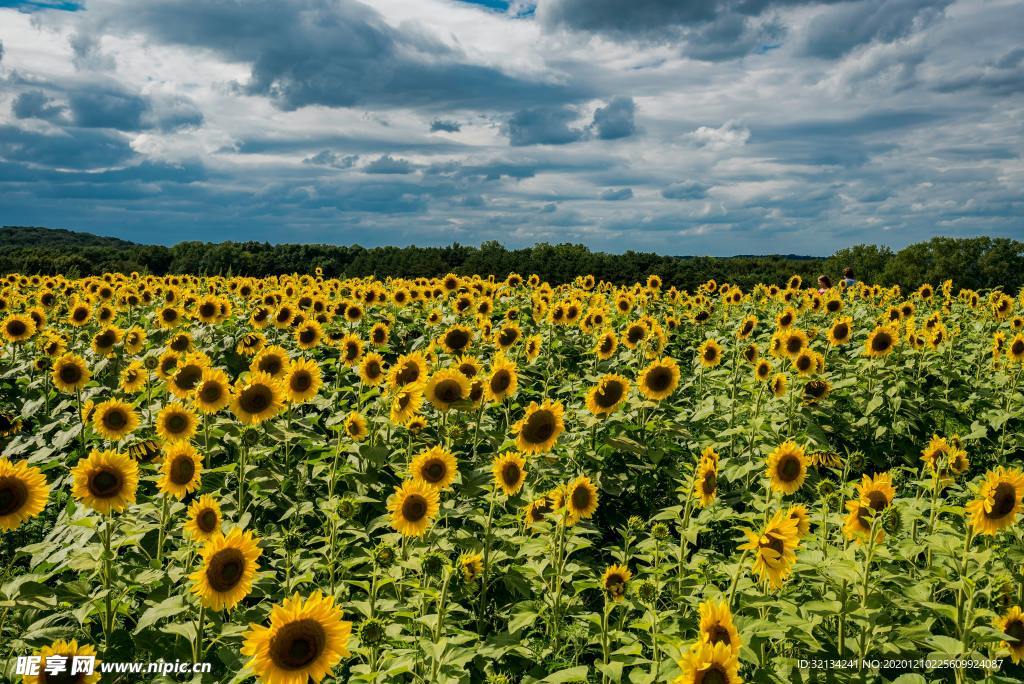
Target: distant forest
[{"x": 971, "y": 262}]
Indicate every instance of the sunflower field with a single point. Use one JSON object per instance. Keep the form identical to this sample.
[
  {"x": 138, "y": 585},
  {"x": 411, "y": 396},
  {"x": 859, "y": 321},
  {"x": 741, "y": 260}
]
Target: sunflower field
[{"x": 470, "y": 479}]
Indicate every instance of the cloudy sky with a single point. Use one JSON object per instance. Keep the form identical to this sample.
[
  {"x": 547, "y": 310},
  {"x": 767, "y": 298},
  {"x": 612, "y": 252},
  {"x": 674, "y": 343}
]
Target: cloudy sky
[{"x": 677, "y": 126}]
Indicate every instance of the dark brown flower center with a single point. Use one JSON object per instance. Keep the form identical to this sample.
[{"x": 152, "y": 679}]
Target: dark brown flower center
[
  {"x": 609, "y": 394},
  {"x": 788, "y": 468},
  {"x": 434, "y": 471},
  {"x": 1004, "y": 501},
  {"x": 211, "y": 393},
  {"x": 16, "y": 328},
  {"x": 271, "y": 363},
  {"x": 188, "y": 376},
  {"x": 183, "y": 469},
  {"x": 881, "y": 342},
  {"x": 414, "y": 508},
  {"x": 456, "y": 339},
  {"x": 713, "y": 675},
  {"x": 510, "y": 474},
  {"x": 301, "y": 381},
  {"x": 207, "y": 520},
  {"x": 709, "y": 483},
  {"x": 13, "y": 495},
  {"x": 717, "y": 634},
  {"x": 448, "y": 391},
  {"x": 410, "y": 373},
  {"x": 539, "y": 426},
  {"x": 225, "y": 569},
  {"x": 659, "y": 379},
  {"x": 500, "y": 381},
  {"x": 70, "y": 374},
  {"x": 581, "y": 498},
  {"x": 298, "y": 644},
  {"x": 1015, "y": 628},
  {"x": 115, "y": 419},
  {"x": 256, "y": 399},
  {"x": 176, "y": 423},
  {"x": 105, "y": 483}
]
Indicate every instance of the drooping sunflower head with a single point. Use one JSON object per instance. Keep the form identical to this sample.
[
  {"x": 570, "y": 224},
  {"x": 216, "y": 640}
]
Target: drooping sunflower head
[
  {"x": 540, "y": 428},
  {"x": 659, "y": 379},
  {"x": 787, "y": 467},
  {"x": 23, "y": 493},
  {"x": 257, "y": 399},
  {"x": 802, "y": 516},
  {"x": 175, "y": 422},
  {"x": 213, "y": 392},
  {"x": 114, "y": 420},
  {"x": 181, "y": 469},
  {"x": 998, "y": 502},
  {"x": 413, "y": 507},
  {"x": 471, "y": 564},
  {"x": 816, "y": 391},
  {"x": 716, "y": 626},
  {"x": 204, "y": 518},
  {"x": 436, "y": 467},
  {"x": 229, "y": 566},
  {"x": 67, "y": 651},
  {"x": 509, "y": 471},
  {"x": 609, "y": 393},
  {"x": 105, "y": 481},
  {"x": 779, "y": 385},
  {"x": 70, "y": 373},
  {"x": 616, "y": 578}
]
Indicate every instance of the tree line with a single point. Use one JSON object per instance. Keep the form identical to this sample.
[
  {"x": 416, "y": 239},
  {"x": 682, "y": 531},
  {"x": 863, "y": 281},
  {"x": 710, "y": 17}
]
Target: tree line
[{"x": 977, "y": 263}]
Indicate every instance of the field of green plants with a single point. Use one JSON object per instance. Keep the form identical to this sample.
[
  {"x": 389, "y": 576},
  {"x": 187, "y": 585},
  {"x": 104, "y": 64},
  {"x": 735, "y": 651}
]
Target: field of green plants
[{"x": 470, "y": 479}]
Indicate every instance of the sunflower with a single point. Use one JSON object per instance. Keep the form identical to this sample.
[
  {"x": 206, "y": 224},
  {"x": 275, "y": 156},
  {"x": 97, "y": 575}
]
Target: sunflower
[
  {"x": 707, "y": 663},
  {"x": 408, "y": 369},
  {"x": 271, "y": 360},
  {"x": 540, "y": 428},
  {"x": 187, "y": 374},
  {"x": 802, "y": 516},
  {"x": 1012, "y": 625},
  {"x": 1015, "y": 349},
  {"x": 659, "y": 379},
  {"x": 841, "y": 331},
  {"x": 66, "y": 652},
  {"x": 537, "y": 511},
  {"x": 250, "y": 344},
  {"x": 786, "y": 467},
  {"x": 614, "y": 582},
  {"x": 446, "y": 388},
  {"x": 412, "y": 507},
  {"x": 471, "y": 565},
  {"x": 175, "y": 422},
  {"x": 17, "y": 328},
  {"x": 406, "y": 404},
  {"x": 502, "y": 381},
  {"x": 605, "y": 346},
  {"x": 793, "y": 341},
  {"x": 774, "y": 548},
  {"x": 580, "y": 498},
  {"x": 114, "y": 419},
  {"x": 434, "y": 467},
  {"x": 133, "y": 377},
  {"x": 779, "y": 385},
  {"x": 716, "y": 626},
  {"x": 709, "y": 353},
  {"x": 355, "y": 427},
  {"x": 998, "y": 502},
  {"x": 762, "y": 370},
  {"x": 705, "y": 483},
  {"x": 229, "y": 566},
  {"x": 534, "y": 344},
  {"x": 308, "y": 335},
  {"x": 213, "y": 392},
  {"x": 204, "y": 519},
  {"x": 351, "y": 349},
  {"x": 881, "y": 341},
  {"x": 23, "y": 493},
  {"x": 371, "y": 369},
  {"x": 10, "y": 424},
  {"x": 70, "y": 373},
  {"x": 945, "y": 460},
  {"x": 875, "y": 494},
  {"x": 182, "y": 470},
  {"x": 301, "y": 380},
  {"x": 815, "y": 391},
  {"x": 105, "y": 481},
  {"x": 456, "y": 339},
  {"x": 257, "y": 399},
  {"x": 509, "y": 472},
  {"x": 608, "y": 394}
]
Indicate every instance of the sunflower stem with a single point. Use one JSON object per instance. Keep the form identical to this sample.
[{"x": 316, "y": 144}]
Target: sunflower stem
[
  {"x": 162, "y": 534},
  {"x": 481, "y": 608},
  {"x": 438, "y": 627},
  {"x": 197, "y": 647},
  {"x": 736, "y": 578},
  {"x": 108, "y": 556}
]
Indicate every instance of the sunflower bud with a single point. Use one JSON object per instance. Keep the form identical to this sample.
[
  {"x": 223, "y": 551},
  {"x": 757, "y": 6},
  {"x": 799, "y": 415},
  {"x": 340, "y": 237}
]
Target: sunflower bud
[
  {"x": 371, "y": 632},
  {"x": 151, "y": 363},
  {"x": 384, "y": 555},
  {"x": 647, "y": 591},
  {"x": 433, "y": 563},
  {"x": 659, "y": 530},
  {"x": 250, "y": 438},
  {"x": 635, "y": 522},
  {"x": 497, "y": 678},
  {"x": 348, "y": 508},
  {"x": 892, "y": 522}
]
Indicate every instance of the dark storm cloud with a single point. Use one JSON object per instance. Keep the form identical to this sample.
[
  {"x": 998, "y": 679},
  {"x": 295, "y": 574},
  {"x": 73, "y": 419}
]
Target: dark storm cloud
[
  {"x": 616, "y": 120},
  {"x": 445, "y": 125},
  {"x": 71, "y": 148},
  {"x": 848, "y": 26},
  {"x": 35, "y": 104},
  {"x": 337, "y": 54}
]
